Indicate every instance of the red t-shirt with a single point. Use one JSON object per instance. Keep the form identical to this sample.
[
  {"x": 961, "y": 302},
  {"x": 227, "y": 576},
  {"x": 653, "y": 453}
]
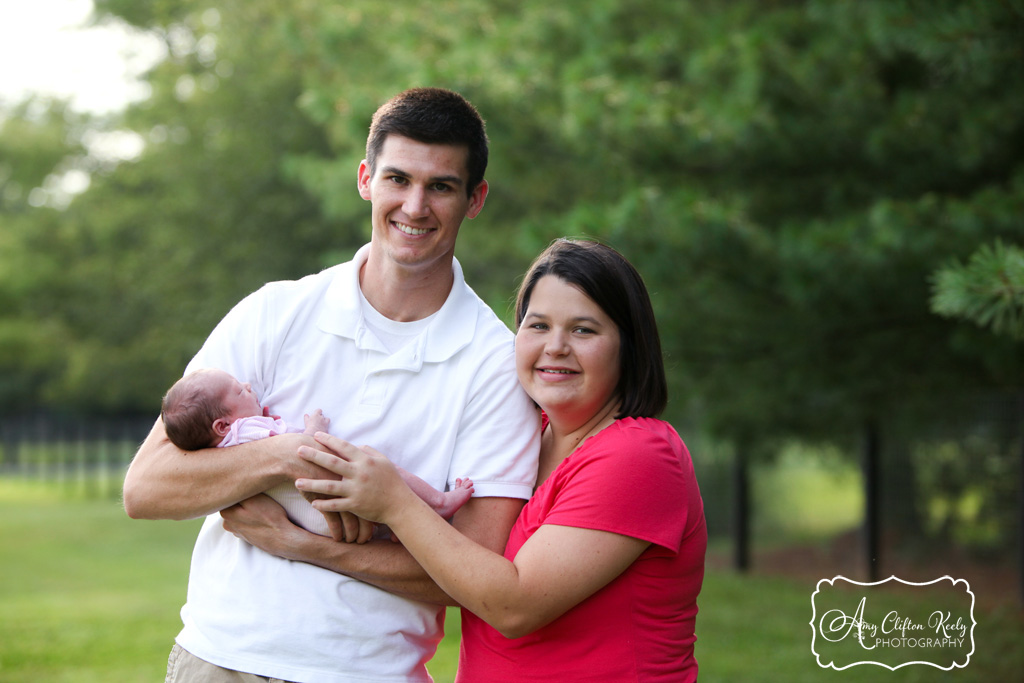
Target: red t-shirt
[{"x": 633, "y": 478}]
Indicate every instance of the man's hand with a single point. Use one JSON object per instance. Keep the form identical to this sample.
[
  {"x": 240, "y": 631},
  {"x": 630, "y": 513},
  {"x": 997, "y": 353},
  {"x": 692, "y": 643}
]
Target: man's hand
[
  {"x": 164, "y": 482},
  {"x": 263, "y": 523},
  {"x": 344, "y": 526}
]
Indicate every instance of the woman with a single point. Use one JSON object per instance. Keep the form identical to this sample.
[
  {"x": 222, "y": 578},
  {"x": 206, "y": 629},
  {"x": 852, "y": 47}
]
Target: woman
[{"x": 600, "y": 576}]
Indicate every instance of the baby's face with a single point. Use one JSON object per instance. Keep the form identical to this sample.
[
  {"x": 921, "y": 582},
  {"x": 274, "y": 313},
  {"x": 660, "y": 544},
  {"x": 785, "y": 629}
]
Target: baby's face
[{"x": 238, "y": 398}]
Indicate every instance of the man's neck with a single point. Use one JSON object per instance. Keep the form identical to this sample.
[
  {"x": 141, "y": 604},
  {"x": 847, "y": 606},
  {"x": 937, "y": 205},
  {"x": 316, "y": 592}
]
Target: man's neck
[{"x": 405, "y": 295}]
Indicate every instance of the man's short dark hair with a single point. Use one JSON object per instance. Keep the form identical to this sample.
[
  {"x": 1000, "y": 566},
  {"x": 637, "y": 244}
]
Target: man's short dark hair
[
  {"x": 605, "y": 276},
  {"x": 433, "y": 116}
]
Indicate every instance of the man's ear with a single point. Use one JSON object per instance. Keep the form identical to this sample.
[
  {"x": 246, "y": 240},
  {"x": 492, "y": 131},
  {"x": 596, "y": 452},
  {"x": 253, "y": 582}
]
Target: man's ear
[
  {"x": 221, "y": 426},
  {"x": 363, "y": 180},
  {"x": 476, "y": 200}
]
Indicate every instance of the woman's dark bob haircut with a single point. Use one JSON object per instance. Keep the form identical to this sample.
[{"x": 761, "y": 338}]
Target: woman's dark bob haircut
[{"x": 613, "y": 283}]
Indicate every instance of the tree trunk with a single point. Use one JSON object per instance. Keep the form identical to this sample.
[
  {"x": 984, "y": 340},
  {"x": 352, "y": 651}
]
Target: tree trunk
[{"x": 872, "y": 498}]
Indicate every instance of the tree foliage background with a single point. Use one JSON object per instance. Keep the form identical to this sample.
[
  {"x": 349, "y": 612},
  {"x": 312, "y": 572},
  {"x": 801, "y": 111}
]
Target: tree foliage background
[{"x": 787, "y": 176}]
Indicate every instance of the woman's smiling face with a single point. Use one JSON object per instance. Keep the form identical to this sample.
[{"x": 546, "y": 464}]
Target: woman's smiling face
[{"x": 567, "y": 351}]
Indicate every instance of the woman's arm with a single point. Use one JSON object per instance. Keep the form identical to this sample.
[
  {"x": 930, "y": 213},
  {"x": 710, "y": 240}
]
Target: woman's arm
[{"x": 556, "y": 569}]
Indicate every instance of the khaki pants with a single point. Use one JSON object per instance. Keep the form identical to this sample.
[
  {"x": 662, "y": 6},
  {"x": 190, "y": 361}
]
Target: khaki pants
[{"x": 184, "y": 667}]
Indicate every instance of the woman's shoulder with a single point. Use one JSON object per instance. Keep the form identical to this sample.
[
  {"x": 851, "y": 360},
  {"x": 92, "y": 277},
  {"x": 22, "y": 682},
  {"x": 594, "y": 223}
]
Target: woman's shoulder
[
  {"x": 638, "y": 439},
  {"x": 645, "y": 430}
]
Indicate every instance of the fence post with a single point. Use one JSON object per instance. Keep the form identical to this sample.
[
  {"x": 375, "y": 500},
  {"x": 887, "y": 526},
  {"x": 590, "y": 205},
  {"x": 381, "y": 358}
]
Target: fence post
[
  {"x": 741, "y": 508},
  {"x": 9, "y": 442},
  {"x": 102, "y": 460},
  {"x": 80, "y": 451},
  {"x": 61, "y": 450}
]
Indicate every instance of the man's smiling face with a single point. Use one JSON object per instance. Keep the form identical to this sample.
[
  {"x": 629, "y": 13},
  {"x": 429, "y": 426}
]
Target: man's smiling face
[{"x": 419, "y": 197}]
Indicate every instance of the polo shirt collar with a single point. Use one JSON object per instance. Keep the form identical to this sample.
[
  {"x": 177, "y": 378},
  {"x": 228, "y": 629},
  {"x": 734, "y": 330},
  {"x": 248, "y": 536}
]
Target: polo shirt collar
[{"x": 450, "y": 330}]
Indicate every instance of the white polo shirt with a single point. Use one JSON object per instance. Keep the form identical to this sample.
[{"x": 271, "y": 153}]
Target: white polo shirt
[{"x": 444, "y": 406}]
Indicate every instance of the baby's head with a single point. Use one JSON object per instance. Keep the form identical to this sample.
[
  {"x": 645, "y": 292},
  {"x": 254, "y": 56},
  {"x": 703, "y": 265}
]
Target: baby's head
[{"x": 198, "y": 410}]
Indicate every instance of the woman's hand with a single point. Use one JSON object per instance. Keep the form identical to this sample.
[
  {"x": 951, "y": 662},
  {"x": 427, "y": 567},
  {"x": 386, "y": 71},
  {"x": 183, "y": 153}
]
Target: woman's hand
[{"x": 370, "y": 486}]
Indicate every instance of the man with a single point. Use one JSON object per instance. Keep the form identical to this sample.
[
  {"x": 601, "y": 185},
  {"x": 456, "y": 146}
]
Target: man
[{"x": 402, "y": 356}]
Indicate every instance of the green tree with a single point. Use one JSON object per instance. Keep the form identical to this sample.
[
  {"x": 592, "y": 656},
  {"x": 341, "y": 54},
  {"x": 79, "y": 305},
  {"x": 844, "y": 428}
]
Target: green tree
[
  {"x": 38, "y": 147},
  {"x": 159, "y": 247},
  {"x": 785, "y": 175},
  {"x": 988, "y": 290}
]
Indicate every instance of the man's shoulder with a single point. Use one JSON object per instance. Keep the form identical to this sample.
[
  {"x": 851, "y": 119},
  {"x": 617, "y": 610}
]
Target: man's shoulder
[
  {"x": 314, "y": 281},
  {"x": 313, "y": 286},
  {"x": 490, "y": 333}
]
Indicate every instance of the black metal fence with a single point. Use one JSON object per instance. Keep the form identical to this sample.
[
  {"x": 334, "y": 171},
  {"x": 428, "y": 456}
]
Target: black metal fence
[
  {"x": 949, "y": 491},
  {"x": 86, "y": 457}
]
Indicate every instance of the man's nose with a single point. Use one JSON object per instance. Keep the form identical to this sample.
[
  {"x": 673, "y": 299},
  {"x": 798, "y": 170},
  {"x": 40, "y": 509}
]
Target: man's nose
[{"x": 415, "y": 204}]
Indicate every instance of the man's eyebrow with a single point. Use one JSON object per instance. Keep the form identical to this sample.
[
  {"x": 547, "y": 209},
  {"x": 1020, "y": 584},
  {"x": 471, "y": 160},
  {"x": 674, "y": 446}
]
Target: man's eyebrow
[
  {"x": 393, "y": 170},
  {"x": 450, "y": 179}
]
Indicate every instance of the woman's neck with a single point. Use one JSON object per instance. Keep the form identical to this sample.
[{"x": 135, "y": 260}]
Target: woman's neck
[{"x": 565, "y": 435}]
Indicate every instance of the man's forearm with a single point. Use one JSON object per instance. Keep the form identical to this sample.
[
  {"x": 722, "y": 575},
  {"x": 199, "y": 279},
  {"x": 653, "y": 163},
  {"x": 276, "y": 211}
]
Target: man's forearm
[
  {"x": 380, "y": 563},
  {"x": 164, "y": 482},
  {"x": 389, "y": 566}
]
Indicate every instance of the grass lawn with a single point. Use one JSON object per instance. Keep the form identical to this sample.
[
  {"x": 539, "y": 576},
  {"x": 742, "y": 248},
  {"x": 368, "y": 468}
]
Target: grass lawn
[
  {"x": 90, "y": 595},
  {"x": 755, "y": 629}
]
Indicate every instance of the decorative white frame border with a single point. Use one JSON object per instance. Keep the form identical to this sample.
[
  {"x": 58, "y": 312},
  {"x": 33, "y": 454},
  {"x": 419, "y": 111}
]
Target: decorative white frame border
[{"x": 831, "y": 665}]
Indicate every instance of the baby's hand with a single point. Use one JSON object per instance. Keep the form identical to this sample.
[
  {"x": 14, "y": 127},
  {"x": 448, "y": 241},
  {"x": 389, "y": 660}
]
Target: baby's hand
[{"x": 316, "y": 422}]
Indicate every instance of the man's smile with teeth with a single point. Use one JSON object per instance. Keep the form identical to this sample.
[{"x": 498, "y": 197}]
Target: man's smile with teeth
[{"x": 409, "y": 230}]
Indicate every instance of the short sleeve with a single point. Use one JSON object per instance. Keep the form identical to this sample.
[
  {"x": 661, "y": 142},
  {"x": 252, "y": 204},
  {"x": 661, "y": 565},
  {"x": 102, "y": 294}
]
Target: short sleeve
[
  {"x": 630, "y": 481},
  {"x": 499, "y": 434},
  {"x": 238, "y": 342}
]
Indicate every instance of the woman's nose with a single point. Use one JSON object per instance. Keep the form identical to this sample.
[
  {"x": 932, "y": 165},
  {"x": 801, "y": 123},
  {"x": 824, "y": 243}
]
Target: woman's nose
[{"x": 557, "y": 344}]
